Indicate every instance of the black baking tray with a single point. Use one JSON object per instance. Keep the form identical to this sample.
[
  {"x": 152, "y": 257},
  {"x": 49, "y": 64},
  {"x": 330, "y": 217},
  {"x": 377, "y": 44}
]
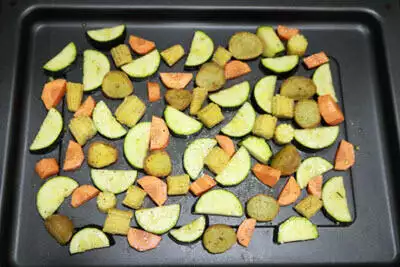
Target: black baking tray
[{"x": 361, "y": 39}]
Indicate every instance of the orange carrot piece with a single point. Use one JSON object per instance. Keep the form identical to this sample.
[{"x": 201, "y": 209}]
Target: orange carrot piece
[
  {"x": 345, "y": 157},
  {"x": 142, "y": 240},
  {"x": 155, "y": 187},
  {"x": 245, "y": 231},
  {"x": 83, "y": 194},
  {"x": 314, "y": 186},
  {"x": 74, "y": 156},
  {"x": 154, "y": 91},
  {"x": 87, "y": 107},
  {"x": 290, "y": 192},
  {"x": 286, "y": 33},
  {"x": 53, "y": 92},
  {"x": 47, "y": 167},
  {"x": 202, "y": 185},
  {"x": 330, "y": 110},
  {"x": 141, "y": 46},
  {"x": 236, "y": 68},
  {"x": 159, "y": 134},
  {"x": 316, "y": 60},
  {"x": 176, "y": 80},
  {"x": 266, "y": 174},
  {"x": 226, "y": 144}
]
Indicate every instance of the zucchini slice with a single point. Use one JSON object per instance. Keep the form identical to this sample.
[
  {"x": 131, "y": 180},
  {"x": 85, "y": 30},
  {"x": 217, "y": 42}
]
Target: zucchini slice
[
  {"x": 144, "y": 66},
  {"x": 95, "y": 67},
  {"x": 195, "y": 153},
  {"x": 334, "y": 199},
  {"x": 63, "y": 59},
  {"x": 87, "y": 239},
  {"x": 105, "y": 122},
  {"x": 258, "y": 148},
  {"x": 201, "y": 49},
  {"x": 237, "y": 169},
  {"x": 264, "y": 91},
  {"x": 317, "y": 138},
  {"x": 158, "y": 220},
  {"x": 191, "y": 231},
  {"x": 106, "y": 34},
  {"x": 297, "y": 229},
  {"x": 242, "y": 123},
  {"x": 231, "y": 97},
  {"x": 323, "y": 80},
  {"x": 272, "y": 44},
  {"x": 310, "y": 168},
  {"x": 219, "y": 202},
  {"x": 180, "y": 123},
  {"x": 114, "y": 181},
  {"x": 281, "y": 64},
  {"x": 52, "y": 194},
  {"x": 49, "y": 131},
  {"x": 136, "y": 144}
]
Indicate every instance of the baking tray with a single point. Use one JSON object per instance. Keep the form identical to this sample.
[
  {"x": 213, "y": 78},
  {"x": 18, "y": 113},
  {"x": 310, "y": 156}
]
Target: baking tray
[{"x": 359, "y": 37}]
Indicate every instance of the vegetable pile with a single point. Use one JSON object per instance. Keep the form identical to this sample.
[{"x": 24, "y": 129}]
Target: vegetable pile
[{"x": 310, "y": 103}]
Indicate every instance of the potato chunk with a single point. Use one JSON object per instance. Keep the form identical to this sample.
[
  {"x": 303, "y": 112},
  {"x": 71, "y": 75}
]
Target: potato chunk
[
  {"x": 82, "y": 128},
  {"x": 211, "y": 115},
  {"x": 134, "y": 197},
  {"x": 101, "y": 154},
  {"x": 118, "y": 222},
  {"x": 217, "y": 159},
  {"x": 130, "y": 111},
  {"x": 264, "y": 126}
]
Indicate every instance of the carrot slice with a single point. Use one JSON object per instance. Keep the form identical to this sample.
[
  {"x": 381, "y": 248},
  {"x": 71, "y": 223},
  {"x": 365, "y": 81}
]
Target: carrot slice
[
  {"x": 155, "y": 187},
  {"x": 314, "y": 186},
  {"x": 226, "y": 144},
  {"x": 286, "y": 33},
  {"x": 236, "y": 68},
  {"x": 330, "y": 110},
  {"x": 142, "y": 240},
  {"x": 154, "y": 91},
  {"x": 87, "y": 107},
  {"x": 315, "y": 60},
  {"x": 141, "y": 46},
  {"x": 176, "y": 80},
  {"x": 290, "y": 192},
  {"x": 245, "y": 231},
  {"x": 266, "y": 174},
  {"x": 159, "y": 134},
  {"x": 83, "y": 194},
  {"x": 202, "y": 185},
  {"x": 47, "y": 167},
  {"x": 345, "y": 157},
  {"x": 53, "y": 92},
  {"x": 74, "y": 156}
]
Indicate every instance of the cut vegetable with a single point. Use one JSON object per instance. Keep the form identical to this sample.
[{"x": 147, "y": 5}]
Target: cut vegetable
[
  {"x": 211, "y": 77},
  {"x": 284, "y": 134},
  {"x": 88, "y": 239},
  {"x": 287, "y": 160},
  {"x": 298, "y": 87},
  {"x": 82, "y": 128},
  {"x": 105, "y": 122},
  {"x": 267, "y": 175},
  {"x": 234, "y": 96},
  {"x": 176, "y": 80},
  {"x": 296, "y": 229},
  {"x": 297, "y": 45},
  {"x": 83, "y": 194},
  {"x": 262, "y": 207},
  {"x": 63, "y": 59},
  {"x": 199, "y": 95},
  {"x": 159, "y": 134},
  {"x": 106, "y": 201},
  {"x": 286, "y": 33},
  {"x": 245, "y": 231},
  {"x": 308, "y": 206},
  {"x": 74, "y": 95},
  {"x": 116, "y": 84},
  {"x": 306, "y": 113},
  {"x": 314, "y": 186},
  {"x": 264, "y": 91},
  {"x": 49, "y": 131},
  {"x": 155, "y": 187},
  {"x": 264, "y": 126},
  {"x": 219, "y": 238},
  {"x": 74, "y": 156},
  {"x": 158, "y": 163},
  {"x": 316, "y": 60},
  {"x": 290, "y": 192},
  {"x": 173, "y": 54},
  {"x": 219, "y": 202},
  {"x": 271, "y": 43},
  {"x": 210, "y": 115},
  {"x": 245, "y": 45},
  {"x": 202, "y": 185},
  {"x": 195, "y": 153},
  {"x": 60, "y": 227},
  {"x": 118, "y": 222},
  {"x": 226, "y": 144},
  {"x": 237, "y": 169},
  {"x": 281, "y": 64},
  {"x": 345, "y": 157},
  {"x": 47, "y": 167},
  {"x": 201, "y": 49},
  {"x": 101, "y": 154},
  {"x": 141, "y": 46},
  {"x": 142, "y": 240},
  {"x": 335, "y": 200},
  {"x": 134, "y": 197},
  {"x": 178, "y": 185},
  {"x": 221, "y": 56},
  {"x": 317, "y": 138},
  {"x": 323, "y": 80},
  {"x": 180, "y": 123},
  {"x": 310, "y": 168},
  {"x": 114, "y": 181},
  {"x": 242, "y": 123},
  {"x": 130, "y": 111},
  {"x": 191, "y": 231},
  {"x": 144, "y": 66},
  {"x": 330, "y": 110},
  {"x": 95, "y": 67},
  {"x": 217, "y": 160},
  {"x": 258, "y": 148},
  {"x": 154, "y": 91},
  {"x": 136, "y": 144},
  {"x": 87, "y": 107},
  {"x": 178, "y": 98},
  {"x": 282, "y": 107},
  {"x": 121, "y": 55},
  {"x": 52, "y": 194},
  {"x": 158, "y": 220},
  {"x": 235, "y": 69},
  {"x": 53, "y": 92},
  {"x": 106, "y": 34}
]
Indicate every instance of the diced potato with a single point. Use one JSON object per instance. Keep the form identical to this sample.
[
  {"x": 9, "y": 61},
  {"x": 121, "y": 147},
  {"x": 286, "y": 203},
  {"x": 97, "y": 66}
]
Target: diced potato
[
  {"x": 134, "y": 197},
  {"x": 199, "y": 95},
  {"x": 118, "y": 222},
  {"x": 158, "y": 163},
  {"x": 101, "y": 154},
  {"x": 74, "y": 96},
  {"x": 173, "y": 54},
  {"x": 217, "y": 159},
  {"x": 121, "y": 55},
  {"x": 106, "y": 201},
  {"x": 211, "y": 115},
  {"x": 297, "y": 45},
  {"x": 178, "y": 185},
  {"x": 282, "y": 107},
  {"x": 221, "y": 56},
  {"x": 264, "y": 126},
  {"x": 83, "y": 129},
  {"x": 309, "y": 206},
  {"x": 130, "y": 111}
]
